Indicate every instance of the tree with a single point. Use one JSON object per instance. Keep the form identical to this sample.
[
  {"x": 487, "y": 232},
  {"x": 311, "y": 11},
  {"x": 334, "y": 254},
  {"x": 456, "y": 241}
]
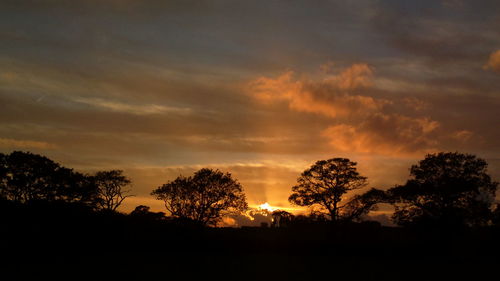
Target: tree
[
  {"x": 325, "y": 183},
  {"x": 281, "y": 218},
  {"x": 143, "y": 212},
  {"x": 110, "y": 187},
  {"x": 447, "y": 189},
  {"x": 362, "y": 204},
  {"x": 26, "y": 177},
  {"x": 204, "y": 198},
  {"x": 4, "y": 176},
  {"x": 140, "y": 210},
  {"x": 496, "y": 215}
]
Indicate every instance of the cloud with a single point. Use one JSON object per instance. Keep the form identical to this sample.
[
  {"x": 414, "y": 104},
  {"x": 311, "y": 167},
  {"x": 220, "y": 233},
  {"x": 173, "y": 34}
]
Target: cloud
[
  {"x": 384, "y": 134},
  {"x": 25, "y": 144},
  {"x": 415, "y": 103},
  {"x": 361, "y": 123},
  {"x": 441, "y": 35},
  {"x": 333, "y": 96},
  {"x": 494, "y": 62},
  {"x": 132, "y": 108},
  {"x": 462, "y": 135}
]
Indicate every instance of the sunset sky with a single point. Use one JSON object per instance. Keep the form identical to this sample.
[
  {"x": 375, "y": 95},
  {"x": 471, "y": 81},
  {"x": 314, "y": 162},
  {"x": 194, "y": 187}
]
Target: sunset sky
[{"x": 260, "y": 89}]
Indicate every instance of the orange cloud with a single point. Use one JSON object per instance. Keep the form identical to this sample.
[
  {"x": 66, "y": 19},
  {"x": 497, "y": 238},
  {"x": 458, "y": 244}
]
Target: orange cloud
[
  {"x": 415, "y": 104},
  {"x": 384, "y": 134},
  {"x": 354, "y": 77},
  {"x": 462, "y": 135},
  {"x": 361, "y": 123},
  {"x": 332, "y": 97},
  {"x": 494, "y": 62}
]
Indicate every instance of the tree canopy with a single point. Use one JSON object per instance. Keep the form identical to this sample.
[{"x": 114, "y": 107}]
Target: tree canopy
[
  {"x": 281, "y": 218},
  {"x": 361, "y": 204},
  {"x": 204, "y": 197},
  {"x": 26, "y": 177},
  {"x": 110, "y": 188},
  {"x": 446, "y": 189},
  {"x": 325, "y": 183}
]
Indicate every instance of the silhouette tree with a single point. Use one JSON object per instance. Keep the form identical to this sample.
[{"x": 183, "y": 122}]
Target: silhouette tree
[
  {"x": 29, "y": 177},
  {"x": 4, "y": 177},
  {"x": 140, "y": 210},
  {"x": 445, "y": 189},
  {"x": 204, "y": 198},
  {"x": 281, "y": 218},
  {"x": 325, "y": 183},
  {"x": 110, "y": 187},
  {"x": 362, "y": 204},
  {"x": 496, "y": 215},
  {"x": 144, "y": 213}
]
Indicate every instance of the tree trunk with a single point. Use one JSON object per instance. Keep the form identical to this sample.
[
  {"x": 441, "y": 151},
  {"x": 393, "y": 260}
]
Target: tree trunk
[{"x": 334, "y": 212}]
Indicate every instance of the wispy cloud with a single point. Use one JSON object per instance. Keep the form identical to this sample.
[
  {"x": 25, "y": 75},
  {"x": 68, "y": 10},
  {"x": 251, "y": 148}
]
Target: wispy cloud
[
  {"x": 132, "y": 108},
  {"x": 25, "y": 144}
]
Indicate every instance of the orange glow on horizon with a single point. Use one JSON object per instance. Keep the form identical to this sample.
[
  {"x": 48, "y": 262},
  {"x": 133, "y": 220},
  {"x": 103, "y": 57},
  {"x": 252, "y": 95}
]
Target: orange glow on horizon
[
  {"x": 267, "y": 207},
  {"x": 270, "y": 208}
]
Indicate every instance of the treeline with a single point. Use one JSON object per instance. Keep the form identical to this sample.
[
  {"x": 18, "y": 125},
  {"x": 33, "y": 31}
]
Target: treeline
[
  {"x": 27, "y": 178},
  {"x": 444, "y": 190},
  {"x": 447, "y": 190},
  {"x": 55, "y": 221}
]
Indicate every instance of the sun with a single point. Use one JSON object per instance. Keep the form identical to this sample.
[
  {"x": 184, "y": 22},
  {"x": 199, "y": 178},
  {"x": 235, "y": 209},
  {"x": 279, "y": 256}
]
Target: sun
[{"x": 267, "y": 207}]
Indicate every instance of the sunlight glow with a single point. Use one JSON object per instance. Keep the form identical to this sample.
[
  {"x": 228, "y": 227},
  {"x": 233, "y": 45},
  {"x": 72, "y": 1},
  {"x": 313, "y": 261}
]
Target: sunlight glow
[{"x": 267, "y": 207}]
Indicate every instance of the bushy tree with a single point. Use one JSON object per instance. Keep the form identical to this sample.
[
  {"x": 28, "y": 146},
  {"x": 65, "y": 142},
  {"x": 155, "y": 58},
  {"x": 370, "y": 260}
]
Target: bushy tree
[
  {"x": 29, "y": 177},
  {"x": 362, "y": 204},
  {"x": 204, "y": 198},
  {"x": 143, "y": 212},
  {"x": 447, "y": 189},
  {"x": 325, "y": 183},
  {"x": 281, "y": 218}
]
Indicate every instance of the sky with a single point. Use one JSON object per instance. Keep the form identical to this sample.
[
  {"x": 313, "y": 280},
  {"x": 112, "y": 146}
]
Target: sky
[{"x": 259, "y": 89}]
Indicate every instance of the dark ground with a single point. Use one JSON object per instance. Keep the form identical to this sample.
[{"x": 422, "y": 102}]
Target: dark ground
[{"x": 68, "y": 243}]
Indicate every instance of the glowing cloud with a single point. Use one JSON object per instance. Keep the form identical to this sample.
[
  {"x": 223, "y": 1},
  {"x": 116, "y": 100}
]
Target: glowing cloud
[
  {"x": 330, "y": 97},
  {"x": 384, "y": 134},
  {"x": 494, "y": 62},
  {"x": 130, "y": 108},
  {"x": 360, "y": 123},
  {"x": 267, "y": 207}
]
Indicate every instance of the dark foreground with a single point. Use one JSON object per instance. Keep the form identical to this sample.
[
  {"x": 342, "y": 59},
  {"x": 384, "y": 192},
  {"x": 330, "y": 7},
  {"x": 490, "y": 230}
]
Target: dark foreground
[{"x": 60, "y": 242}]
